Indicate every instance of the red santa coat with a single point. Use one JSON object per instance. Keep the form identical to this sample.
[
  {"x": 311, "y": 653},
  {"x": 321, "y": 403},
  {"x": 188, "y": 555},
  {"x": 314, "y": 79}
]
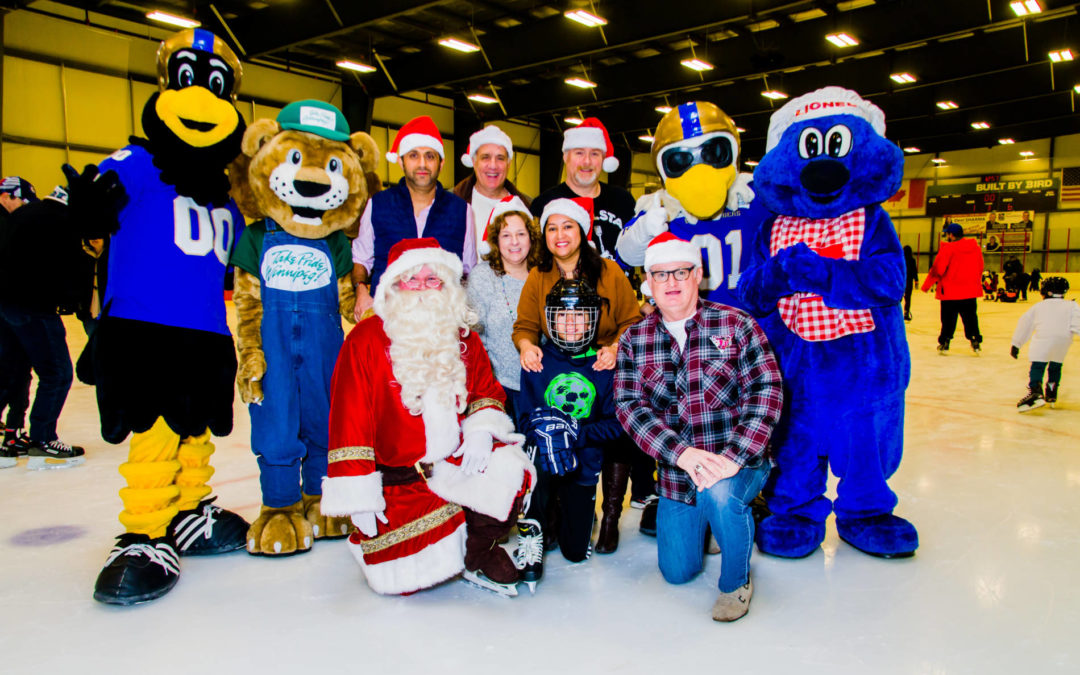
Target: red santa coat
[{"x": 423, "y": 541}]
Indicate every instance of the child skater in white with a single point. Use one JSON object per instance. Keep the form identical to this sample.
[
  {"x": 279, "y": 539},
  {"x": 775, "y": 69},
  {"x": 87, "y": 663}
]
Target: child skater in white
[{"x": 1053, "y": 322}]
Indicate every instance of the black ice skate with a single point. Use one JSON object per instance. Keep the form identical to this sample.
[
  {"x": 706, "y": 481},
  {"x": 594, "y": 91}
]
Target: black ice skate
[
  {"x": 529, "y": 556},
  {"x": 1034, "y": 399},
  {"x": 54, "y": 455},
  {"x": 647, "y": 526},
  {"x": 1051, "y": 394},
  {"x": 208, "y": 530},
  {"x": 139, "y": 569},
  {"x": 943, "y": 346},
  {"x": 976, "y": 345}
]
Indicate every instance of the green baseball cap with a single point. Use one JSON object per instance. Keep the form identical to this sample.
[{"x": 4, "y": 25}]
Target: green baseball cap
[{"x": 315, "y": 117}]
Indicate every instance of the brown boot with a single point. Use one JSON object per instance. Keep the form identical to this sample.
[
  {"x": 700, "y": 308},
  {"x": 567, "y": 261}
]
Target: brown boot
[
  {"x": 482, "y": 550},
  {"x": 614, "y": 478}
]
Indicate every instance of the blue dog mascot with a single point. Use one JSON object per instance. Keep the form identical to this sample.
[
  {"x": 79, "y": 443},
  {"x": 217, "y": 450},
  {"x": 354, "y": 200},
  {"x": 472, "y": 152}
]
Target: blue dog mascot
[{"x": 825, "y": 281}]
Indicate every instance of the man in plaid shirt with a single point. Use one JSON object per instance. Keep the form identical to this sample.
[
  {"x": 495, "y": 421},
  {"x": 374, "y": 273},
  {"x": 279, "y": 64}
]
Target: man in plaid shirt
[{"x": 697, "y": 387}]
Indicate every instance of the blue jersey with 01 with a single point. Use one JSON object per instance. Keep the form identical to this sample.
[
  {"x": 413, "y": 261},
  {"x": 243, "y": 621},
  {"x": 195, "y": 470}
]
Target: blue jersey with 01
[
  {"x": 167, "y": 262},
  {"x": 725, "y": 244}
]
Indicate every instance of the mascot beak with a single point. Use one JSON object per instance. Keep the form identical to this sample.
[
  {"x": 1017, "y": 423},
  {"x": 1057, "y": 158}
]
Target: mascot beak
[
  {"x": 197, "y": 117},
  {"x": 702, "y": 190}
]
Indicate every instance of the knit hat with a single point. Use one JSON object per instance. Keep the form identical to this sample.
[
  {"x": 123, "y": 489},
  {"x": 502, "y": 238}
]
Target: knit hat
[
  {"x": 20, "y": 188},
  {"x": 667, "y": 248},
  {"x": 419, "y": 132},
  {"x": 578, "y": 209},
  {"x": 591, "y": 133},
  {"x": 820, "y": 103},
  {"x": 315, "y": 117},
  {"x": 410, "y": 253},
  {"x": 508, "y": 204},
  {"x": 489, "y": 134}
]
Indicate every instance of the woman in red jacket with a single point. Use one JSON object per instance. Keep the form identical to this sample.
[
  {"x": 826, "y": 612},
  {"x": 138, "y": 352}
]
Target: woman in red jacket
[{"x": 957, "y": 272}]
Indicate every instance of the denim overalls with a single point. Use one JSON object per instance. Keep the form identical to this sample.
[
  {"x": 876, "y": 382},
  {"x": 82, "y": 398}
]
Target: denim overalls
[{"x": 301, "y": 338}]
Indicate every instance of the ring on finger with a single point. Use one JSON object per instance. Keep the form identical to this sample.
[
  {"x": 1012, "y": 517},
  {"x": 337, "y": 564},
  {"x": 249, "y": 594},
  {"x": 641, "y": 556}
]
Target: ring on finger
[{"x": 698, "y": 468}]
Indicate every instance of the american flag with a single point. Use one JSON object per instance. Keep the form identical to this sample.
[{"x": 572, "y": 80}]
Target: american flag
[{"x": 1070, "y": 184}]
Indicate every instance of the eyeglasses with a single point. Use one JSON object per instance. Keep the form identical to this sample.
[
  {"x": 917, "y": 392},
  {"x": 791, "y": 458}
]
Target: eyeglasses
[
  {"x": 716, "y": 152},
  {"x": 419, "y": 283},
  {"x": 681, "y": 274}
]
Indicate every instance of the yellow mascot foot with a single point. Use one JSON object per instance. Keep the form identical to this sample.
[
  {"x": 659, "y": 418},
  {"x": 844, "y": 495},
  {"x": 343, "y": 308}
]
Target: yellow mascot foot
[
  {"x": 325, "y": 527},
  {"x": 280, "y": 532}
]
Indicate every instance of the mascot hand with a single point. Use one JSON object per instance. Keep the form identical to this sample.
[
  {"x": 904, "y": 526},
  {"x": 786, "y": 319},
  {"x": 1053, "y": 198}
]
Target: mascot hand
[
  {"x": 740, "y": 194},
  {"x": 249, "y": 376},
  {"x": 1014, "y": 352},
  {"x": 805, "y": 270},
  {"x": 475, "y": 451},
  {"x": 655, "y": 219},
  {"x": 96, "y": 198},
  {"x": 365, "y": 522}
]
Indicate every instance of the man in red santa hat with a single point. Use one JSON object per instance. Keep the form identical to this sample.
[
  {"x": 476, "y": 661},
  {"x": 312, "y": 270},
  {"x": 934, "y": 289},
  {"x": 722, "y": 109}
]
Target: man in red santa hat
[{"x": 423, "y": 456}]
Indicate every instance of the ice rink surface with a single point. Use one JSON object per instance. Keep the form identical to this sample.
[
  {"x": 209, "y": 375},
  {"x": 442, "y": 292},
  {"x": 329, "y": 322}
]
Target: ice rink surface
[{"x": 993, "y": 589}]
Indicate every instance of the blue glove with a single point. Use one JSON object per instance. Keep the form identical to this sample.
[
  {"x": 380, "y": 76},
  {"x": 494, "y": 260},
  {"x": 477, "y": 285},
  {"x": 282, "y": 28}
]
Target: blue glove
[{"x": 554, "y": 434}]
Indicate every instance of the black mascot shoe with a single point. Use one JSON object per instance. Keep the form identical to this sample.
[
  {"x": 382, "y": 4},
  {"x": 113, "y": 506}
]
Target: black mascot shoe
[
  {"x": 208, "y": 530},
  {"x": 139, "y": 569}
]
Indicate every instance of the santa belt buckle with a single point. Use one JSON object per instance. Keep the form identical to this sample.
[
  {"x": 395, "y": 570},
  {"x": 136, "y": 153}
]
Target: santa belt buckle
[{"x": 424, "y": 469}]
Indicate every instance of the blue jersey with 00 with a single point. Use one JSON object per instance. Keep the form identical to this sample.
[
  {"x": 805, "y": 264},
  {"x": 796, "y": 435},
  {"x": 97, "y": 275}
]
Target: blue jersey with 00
[
  {"x": 725, "y": 244},
  {"x": 167, "y": 262}
]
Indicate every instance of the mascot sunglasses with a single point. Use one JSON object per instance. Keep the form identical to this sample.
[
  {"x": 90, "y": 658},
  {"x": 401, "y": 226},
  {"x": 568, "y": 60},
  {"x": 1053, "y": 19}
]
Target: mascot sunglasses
[{"x": 716, "y": 152}]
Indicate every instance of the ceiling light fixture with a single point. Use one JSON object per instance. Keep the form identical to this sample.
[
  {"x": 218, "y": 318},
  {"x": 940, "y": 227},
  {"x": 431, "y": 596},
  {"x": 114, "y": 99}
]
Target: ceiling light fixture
[
  {"x": 482, "y": 98},
  {"x": 353, "y": 65},
  {"x": 580, "y": 82},
  {"x": 697, "y": 64},
  {"x": 947, "y": 105},
  {"x": 172, "y": 19},
  {"x": 647, "y": 138},
  {"x": 938, "y": 161},
  {"x": 586, "y": 18},
  {"x": 740, "y": 130},
  {"x": 1062, "y": 55},
  {"x": 1076, "y": 88},
  {"x": 911, "y": 150},
  {"x": 1027, "y": 153},
  {"x": 902, "y": 78},
  {"x": 980, "y": 125},
  {"x": 774, "y": 94},
  {"x": 1006, "y": 141},
  {"x": 574, "y": 121},
  {"x": 665, "y": 109},
  {"x": 1025, "y": 7},
  {"x": 841, "y": 39},
  {"x": 750, "y": 162},
  {"x": 459, "y": 45}
]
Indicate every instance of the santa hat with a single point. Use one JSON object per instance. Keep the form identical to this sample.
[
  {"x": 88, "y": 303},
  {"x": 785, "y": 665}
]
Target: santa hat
[
  {"x": 591, "y": 133},
  {"x": 578, "y": 209},
  {"x": 489, "y": 134},
  {"x": 820, "y": 103},
  {"x": 419, "y": 132},
  {"x": 508, "y": 204},
  {"x": 410, "y": 253},
  {"x": 667, "y": 248}
]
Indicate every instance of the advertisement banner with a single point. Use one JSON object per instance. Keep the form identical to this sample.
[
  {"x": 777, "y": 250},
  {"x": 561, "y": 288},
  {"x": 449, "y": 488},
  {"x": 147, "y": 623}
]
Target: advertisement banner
[{"x": 1008, "y": 232}]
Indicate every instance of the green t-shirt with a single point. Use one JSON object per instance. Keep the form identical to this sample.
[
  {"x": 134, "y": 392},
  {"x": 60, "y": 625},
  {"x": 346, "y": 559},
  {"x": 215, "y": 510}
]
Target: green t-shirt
[{"x": 248, "y": 250}]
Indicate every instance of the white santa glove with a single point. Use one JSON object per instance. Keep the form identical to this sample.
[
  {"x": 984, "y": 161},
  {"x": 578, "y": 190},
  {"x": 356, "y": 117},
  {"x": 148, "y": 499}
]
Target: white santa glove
[
  {"x": 365, "y": 522},
  {"x": 475, "y": 451},
  {"x": 740, "y": 194}
]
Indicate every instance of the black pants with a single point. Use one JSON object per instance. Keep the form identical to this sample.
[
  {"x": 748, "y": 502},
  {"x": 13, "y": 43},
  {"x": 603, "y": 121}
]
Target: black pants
[
  {"x": 642, "y": 467},
  {"x": 576, "y": 506},
  {"x": 907, "y": 296},
  {"x": 967, "y": 310}
]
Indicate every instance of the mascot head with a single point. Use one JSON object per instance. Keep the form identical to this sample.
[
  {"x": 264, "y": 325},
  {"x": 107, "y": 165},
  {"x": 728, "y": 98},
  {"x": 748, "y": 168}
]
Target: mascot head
[
  {"x": 305, "y": 171},
  {"x": 826, "y": 155},
  {"x": 192, "y": 126},
  {"x": 696, "y": 151}
]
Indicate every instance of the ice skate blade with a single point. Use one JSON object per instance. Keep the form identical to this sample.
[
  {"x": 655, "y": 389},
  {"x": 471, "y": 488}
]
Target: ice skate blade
[
  {"x": 480, "y": 581},
  {"x": 43, "y": 463},
  {"x": 532, "y": 587},
  {"x": 1029, "y": 408}
]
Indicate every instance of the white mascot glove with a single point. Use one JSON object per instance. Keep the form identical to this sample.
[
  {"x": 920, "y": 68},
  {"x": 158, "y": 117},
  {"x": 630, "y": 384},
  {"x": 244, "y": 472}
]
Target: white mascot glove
[
  {"x": 475, "y": 451},
  {"x": 365, "y": 522},
  {"x": 740, "y": 194},
  {"x": 655, "y": 219}
]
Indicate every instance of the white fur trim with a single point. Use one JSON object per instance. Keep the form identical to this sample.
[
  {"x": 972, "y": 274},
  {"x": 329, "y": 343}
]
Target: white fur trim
[
  {"x": 415, "y": 258},
  {"x": 494, "y": 421},
  {"x": 441, "y": 431},
  {"x": 490, "y": 134},
  {"x": 611, "y": 164},
  {"x": 584, "y": 137},
  {"x": 413, "y": 141},
  {"x": 492, "y": 492},
  {"x": 423, "y": 569},
  {"x": 645, "y": 289},
  {"x": 568, "y": 208},
  {"x": 674, "y": 250},
  {"x": 512, "y": 205},
  {"x": 346, "y": 495},
  {"x": 820, "y": 103}
]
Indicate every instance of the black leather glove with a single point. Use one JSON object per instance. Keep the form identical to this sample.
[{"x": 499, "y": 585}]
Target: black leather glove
[{"x": 1014, "y": 352}]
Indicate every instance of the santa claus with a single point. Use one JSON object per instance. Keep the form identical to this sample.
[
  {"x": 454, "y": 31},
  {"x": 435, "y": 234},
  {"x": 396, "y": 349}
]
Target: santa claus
[{"x": 423, "y": 456}]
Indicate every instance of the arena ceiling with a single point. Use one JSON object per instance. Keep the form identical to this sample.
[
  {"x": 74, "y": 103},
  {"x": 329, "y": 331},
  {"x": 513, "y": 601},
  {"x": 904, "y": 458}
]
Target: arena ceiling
[{"x": 992, "y": 64}]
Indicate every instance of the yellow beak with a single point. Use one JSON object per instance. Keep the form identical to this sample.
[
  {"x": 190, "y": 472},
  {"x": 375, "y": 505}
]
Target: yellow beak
[
  {"x": 196, "y": 116},
  {"x": 702, "y": 190}
]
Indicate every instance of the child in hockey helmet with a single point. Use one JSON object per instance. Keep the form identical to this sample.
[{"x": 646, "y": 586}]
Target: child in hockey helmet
[
  {"x": 572, "y": 313},
  {"x": 1054, "y": 287},
  {"x": 1049, "y": 325}
]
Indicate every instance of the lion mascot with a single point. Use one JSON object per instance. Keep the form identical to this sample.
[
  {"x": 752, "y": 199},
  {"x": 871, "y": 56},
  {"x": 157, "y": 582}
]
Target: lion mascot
[
  {"x": 305, "y": 180},
  {"x": 825, "y": 281}
]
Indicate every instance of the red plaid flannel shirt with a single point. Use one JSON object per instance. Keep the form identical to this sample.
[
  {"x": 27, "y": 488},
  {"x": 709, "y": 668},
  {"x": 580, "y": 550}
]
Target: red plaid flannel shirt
[{"x": 806, "y": 314}]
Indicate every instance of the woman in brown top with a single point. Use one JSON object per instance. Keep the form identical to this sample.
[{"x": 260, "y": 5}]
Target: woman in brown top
[{"x": 567, "y": 225}]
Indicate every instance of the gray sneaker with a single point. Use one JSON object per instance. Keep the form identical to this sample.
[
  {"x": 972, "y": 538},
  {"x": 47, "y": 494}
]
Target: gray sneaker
[
  {"x": 734, "y": 605},
  {"x": 54, "y": 455}
]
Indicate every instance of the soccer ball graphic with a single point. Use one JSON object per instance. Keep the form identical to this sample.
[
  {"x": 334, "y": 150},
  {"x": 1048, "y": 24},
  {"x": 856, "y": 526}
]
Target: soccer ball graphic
[{"x": 572, "y": 394}]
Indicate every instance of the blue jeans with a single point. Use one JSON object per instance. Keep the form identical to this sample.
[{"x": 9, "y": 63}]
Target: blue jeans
[
  {"x": 680, "y": 530},
  {"x": 44, "y": 340}
]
